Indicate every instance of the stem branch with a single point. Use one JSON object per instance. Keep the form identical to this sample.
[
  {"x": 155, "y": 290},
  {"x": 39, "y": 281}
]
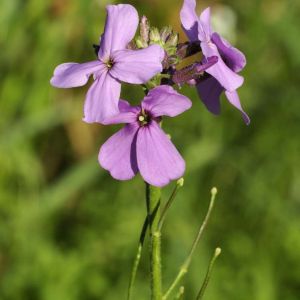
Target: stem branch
[
  {"x": 184, "y": 268},
  {"x": 208, "y": 274}
]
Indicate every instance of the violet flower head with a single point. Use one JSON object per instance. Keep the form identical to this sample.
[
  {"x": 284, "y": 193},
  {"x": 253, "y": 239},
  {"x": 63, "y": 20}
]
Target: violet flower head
[
  {"x": 224, "y": 74},
  {"x": 142, "y": 146},
  {"x": 115, "y": 64}
]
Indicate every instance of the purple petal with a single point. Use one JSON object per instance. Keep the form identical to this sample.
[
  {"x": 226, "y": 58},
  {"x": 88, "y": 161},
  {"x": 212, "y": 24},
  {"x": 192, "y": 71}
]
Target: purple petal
[
  {"x": 118, "y": 153},
  {"x": 102, "y": 99},
  {"x": 158, "y": 160},
  {"x": 165, "y": 101},
  {"x": 234, "y": 99},
  {"x": 210, "y": 91},
  {"x": 233, "y": 57},
  {"x": 70, "y": 75},
  {"x": 226, "y": 77},
  {"x": 187, "y": 74},
  {"x": 205, "y": 30},
  {"x": 128, "y": 114},
  {"x": 189, "y": 19},
  {"x": 124, "y": 106},
  {"x": 121, "y": 24},
  {"x": 137, "y": 66}
]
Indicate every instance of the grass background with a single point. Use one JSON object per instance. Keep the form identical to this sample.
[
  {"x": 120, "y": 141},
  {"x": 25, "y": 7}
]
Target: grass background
[{"x": 69, "y": 231}]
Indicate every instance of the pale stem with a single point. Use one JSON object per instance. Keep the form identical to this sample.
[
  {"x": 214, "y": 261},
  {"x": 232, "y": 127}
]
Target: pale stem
[
  {"x": 179, "y": 184},
  {"x": 208, "y": 274},
  {"x": 179, "y": 295},
  {"x": 184, "y": 268}
]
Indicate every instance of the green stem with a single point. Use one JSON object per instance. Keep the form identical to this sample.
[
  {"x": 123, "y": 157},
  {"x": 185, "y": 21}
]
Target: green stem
[
  {"x": 153, "y": 198},
  {"x": 179, "y": 184},
  {"x": 208, "y": 274},
  {"x": 179, "y": 296},
  {"x": 184, "y": 268},
  {"x": 137, "y": 258}
]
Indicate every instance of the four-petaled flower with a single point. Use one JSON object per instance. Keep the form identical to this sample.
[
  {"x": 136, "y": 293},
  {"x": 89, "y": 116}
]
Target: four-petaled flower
[
  {"x": 115, "y": 64},
  {"x": 142, "y": 146},
  {"x": 224, "y": 75}
]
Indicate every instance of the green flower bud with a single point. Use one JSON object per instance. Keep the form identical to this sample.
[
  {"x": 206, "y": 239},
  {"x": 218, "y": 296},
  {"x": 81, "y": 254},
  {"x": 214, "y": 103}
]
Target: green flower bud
[
  {"x": 139, "y": 43},
  {"x": 165, "y": 33},
  {"x": 155, "y": 36},
  {"x": 173, "y": 40}
]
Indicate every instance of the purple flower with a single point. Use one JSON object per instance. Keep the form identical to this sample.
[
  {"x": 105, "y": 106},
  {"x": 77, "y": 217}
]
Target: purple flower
[
  {"x": 142, "y": 146},
  {"x": 224, "y": 75},
  {"x": 115, "y": 63}
]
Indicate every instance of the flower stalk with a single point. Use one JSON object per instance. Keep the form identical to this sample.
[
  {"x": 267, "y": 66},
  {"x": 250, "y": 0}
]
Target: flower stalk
[
  {"x": 179, "y": 184},
  {"x": 185, "y": 266},
  {"x": 137, "y": 258},
  {"x": 208, "y": 274},
  {"x": 153, "y": 200}
]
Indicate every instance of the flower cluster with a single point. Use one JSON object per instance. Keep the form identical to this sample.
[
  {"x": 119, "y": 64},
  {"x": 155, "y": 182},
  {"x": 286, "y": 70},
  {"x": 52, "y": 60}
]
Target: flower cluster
[{"x": 151, "y": 60}]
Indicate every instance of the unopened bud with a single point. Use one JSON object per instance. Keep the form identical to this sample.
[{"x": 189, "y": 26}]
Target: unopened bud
[
  {"x": 218, "y": 252},
  {"x": 214, "y": 191},
  {"x": 139, "y": 43},
  {"x": 173, "y": 40},
  {"x": 165, "y": 33},
  {"x": 154, "y": 35},
  {"x": 180, "y": 182},
  {"x": 144, "y": 30}
]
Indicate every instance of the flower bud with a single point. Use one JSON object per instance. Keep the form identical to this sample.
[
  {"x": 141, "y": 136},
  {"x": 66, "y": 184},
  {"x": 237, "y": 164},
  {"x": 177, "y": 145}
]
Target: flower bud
[
  {"x": 218, "y": 251},
  {"x": 180, "y": 182},
  {"x": 144, "y": 30},
  {"x": 173, "y": 40},
  {"x": 165, "y": 33},
  {"x": 139, "y": 43},
  {"x": 154, "y": 35},
  {"x": 214, "y": 191}
]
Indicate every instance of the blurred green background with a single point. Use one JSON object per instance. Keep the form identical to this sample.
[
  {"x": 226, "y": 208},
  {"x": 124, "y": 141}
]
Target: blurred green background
[{"x": 69, "y": 231}]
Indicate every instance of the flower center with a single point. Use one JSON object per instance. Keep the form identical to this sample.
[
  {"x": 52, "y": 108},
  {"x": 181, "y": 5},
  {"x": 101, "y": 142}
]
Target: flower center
[
  {"x": 144, "y": 118},
  {"x": 109, "y": 63}
]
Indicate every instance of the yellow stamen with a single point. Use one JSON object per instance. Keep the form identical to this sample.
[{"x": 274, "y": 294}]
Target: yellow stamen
[{"x": 141, "y": 118}]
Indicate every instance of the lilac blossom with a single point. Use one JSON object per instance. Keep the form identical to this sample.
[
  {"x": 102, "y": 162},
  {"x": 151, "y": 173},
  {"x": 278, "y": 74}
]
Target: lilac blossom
[
  {"x": 224, "y": 74},
  {"x": 115, "y": 64},
  {"x": 142, "y": 146}
]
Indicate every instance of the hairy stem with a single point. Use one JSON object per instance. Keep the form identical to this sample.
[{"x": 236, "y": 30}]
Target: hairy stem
[
  {"x": 153, "y": 198},
  {"x": 137, "y": 258}
]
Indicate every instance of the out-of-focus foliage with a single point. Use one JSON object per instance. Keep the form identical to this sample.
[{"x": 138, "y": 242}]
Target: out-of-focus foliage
[{"x": 68, "y": 231}]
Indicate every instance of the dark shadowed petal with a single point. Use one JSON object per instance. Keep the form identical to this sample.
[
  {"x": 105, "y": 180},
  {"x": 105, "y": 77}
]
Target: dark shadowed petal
[
  {"x": 165, "y": 101},
  {"x": 102, "y": 99},
  {"x": 233, "y": 57},
  {"x": 118, "y": 153},
  {"x": 234, "y": 99},
  {"x": 124, "y": 106},
  {"x": 121, "y": 24},
  {"x": 205, "y": 30},
  {"x": 127, "y": 114},
  {"x": 210, "y": 91},
  {"x": 70, "y": 75},
  {"x": 137, "y": 66},
  {"x": 189, "y": 19},
  {"x": 158, "y": 160},
  {"x": 226, "y": 77}
]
